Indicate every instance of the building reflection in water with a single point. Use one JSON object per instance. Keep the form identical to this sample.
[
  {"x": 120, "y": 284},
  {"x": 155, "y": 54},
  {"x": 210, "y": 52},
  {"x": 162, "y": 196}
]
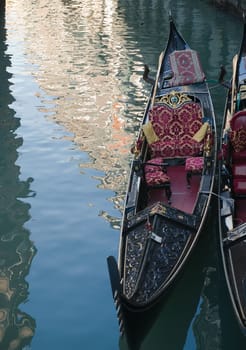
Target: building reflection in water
[
  {"x": 16, "y": 249},
  {"x": 90, "y": 57},
  {"x": 84, "y": 63}
]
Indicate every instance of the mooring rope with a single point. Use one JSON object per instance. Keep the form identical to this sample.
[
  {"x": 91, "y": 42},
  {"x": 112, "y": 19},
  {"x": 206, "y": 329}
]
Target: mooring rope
[
  {"x": 217, "y": 195},
  {"x": 215, "y": 86}
]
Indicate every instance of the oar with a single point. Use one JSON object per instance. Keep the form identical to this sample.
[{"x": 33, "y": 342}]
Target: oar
[{"x": 157, "y": 77}]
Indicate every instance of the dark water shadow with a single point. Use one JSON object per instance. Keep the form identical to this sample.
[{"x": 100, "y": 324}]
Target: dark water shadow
[{"x": 16, "y": 249}]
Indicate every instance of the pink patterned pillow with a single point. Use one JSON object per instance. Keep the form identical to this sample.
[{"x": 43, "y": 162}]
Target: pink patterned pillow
[
  {"x": 155, "y": 179},
  {"x": 186, "y": 68},
  {"x": 194, "y": 164},
  {"x": 154, "y": 174}
]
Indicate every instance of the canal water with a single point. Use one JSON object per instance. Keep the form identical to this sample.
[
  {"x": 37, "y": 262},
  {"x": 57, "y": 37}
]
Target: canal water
[{"x": 72, "y": 98}]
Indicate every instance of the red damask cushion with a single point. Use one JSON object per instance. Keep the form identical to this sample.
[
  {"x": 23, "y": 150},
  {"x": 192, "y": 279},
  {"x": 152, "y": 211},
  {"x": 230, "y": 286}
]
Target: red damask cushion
[
  {"x": 177, "y": 122},
  {"x": 238, "y": 139},
  {"x": 170, "y": 149},
  {"x": 186, "y": 68},
  {"x": 187, "y": 148},
  {"x": 154, "y": 175},
  {"x": 152, "y": 165},
  {"x": 156, "y": 179},
  {"x": 160, "y": 117},
  {"x": 190, "y": 117},
  {"x": 194, "y": 164},
  {"x": 175, "y": 129},
  {"x": 163, "y": 149}
]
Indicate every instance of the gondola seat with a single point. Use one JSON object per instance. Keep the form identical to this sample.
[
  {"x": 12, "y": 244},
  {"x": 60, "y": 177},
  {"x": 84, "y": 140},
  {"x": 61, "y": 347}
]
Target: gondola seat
[
  {"x": 238, "y": 152},
  {"x": 155, "y": 175},
  {"x": 193, "y": 166},
  {"x": 174, "y": 129}
]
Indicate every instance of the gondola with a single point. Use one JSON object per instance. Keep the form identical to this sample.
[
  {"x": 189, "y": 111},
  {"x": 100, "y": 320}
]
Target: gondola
[
  {"x": 232, "y": 186},
  {"x": 171, "y": 181}
]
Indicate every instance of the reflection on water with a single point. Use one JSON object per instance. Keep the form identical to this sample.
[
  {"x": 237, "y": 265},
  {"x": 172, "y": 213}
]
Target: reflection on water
[
  {"x": 83, "y": 61},
  {"x": 16, "y": 249},
  {"x": 206, "y": 325},
  {"x": 87, "y": 57}
]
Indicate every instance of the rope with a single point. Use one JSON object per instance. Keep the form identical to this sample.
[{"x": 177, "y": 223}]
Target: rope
[
  {"x": 217, "y": 195},
  {"x": 215, "y": 86}
]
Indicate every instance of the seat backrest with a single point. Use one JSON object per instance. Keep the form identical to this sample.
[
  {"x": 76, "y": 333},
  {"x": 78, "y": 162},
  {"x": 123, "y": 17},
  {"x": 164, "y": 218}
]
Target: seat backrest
[
  {"x": 238, "y": 136},
  {"x": 175, "y": 123},
  {"x": 238, "y": 120},
  {"x": 238, "y": 141}
]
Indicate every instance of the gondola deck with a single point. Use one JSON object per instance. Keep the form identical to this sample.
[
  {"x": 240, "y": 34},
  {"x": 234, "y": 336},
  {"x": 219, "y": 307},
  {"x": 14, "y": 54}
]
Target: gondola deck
[{"x": 183, "y": 198}]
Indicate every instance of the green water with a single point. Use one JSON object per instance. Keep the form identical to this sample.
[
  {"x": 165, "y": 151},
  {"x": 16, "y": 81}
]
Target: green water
[{"x": 72, "y": 97}]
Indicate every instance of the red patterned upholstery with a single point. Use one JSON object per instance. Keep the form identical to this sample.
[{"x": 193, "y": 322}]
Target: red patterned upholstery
[
  {"x": 186, "y": 68},
  {"x": 162, "y": 148},
  {"x": 175, "y": 129},
  {"x": 238, "y": 141},
  {"x": 237, "y": 135},
  {"x": 193, "y": 165},
  {"x": 238, "y": 120},
  {"x": 154, "y": 175}
]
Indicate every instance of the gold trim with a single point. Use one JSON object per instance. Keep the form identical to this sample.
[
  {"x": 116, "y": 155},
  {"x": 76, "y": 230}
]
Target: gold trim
[{"x": 174, "y": 99}]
